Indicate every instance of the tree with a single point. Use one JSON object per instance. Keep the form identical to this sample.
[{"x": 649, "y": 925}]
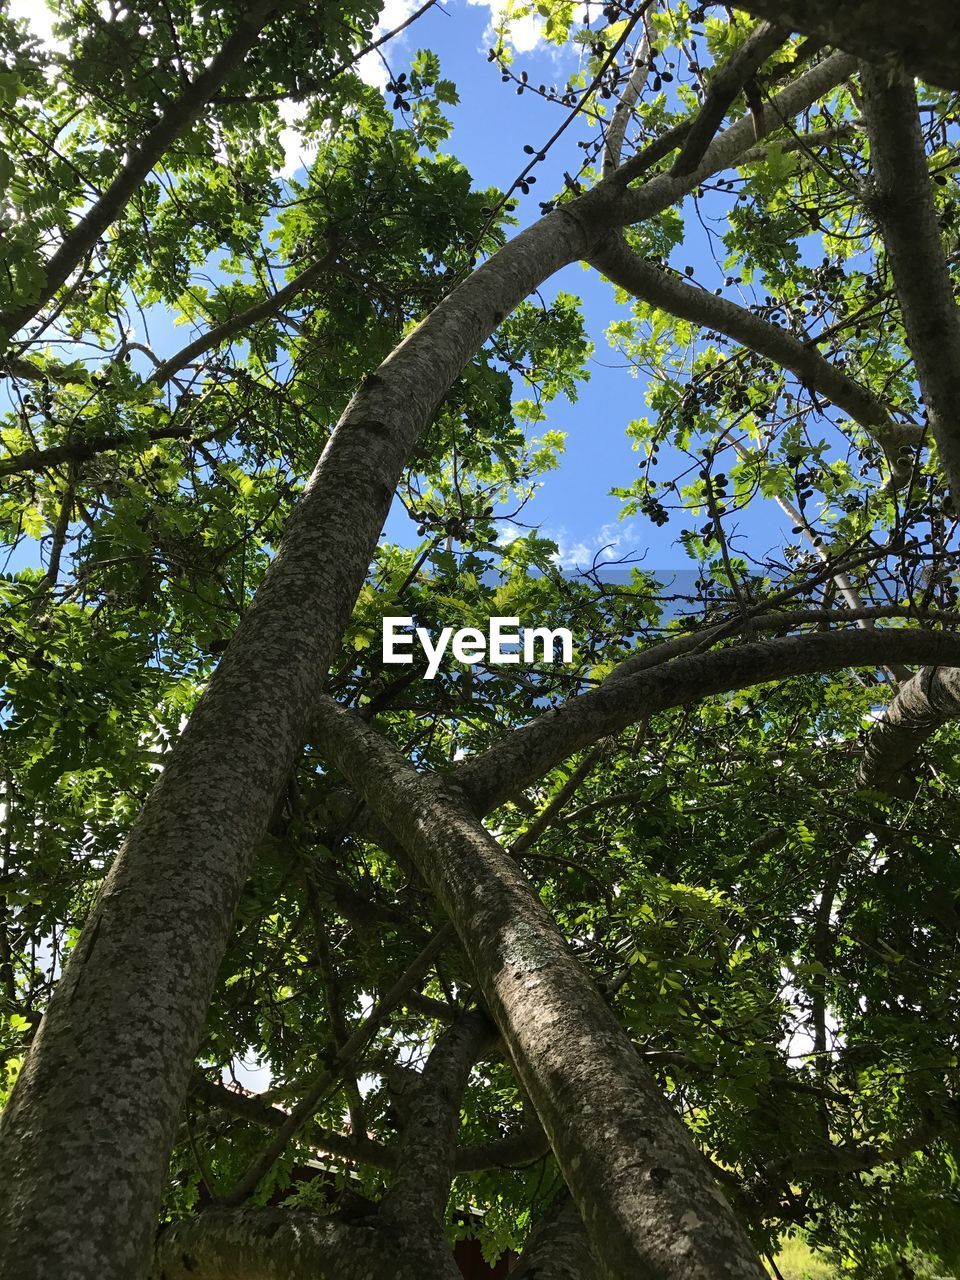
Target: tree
[{"x": 548, "y": 885}]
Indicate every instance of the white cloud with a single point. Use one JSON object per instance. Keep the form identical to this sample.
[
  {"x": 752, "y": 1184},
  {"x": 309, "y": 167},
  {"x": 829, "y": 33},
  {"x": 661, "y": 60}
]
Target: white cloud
[
  {"x": 610, "y": 543},
  {"x": 524, "y": 34},
  {"x": 370, "y": 67}
]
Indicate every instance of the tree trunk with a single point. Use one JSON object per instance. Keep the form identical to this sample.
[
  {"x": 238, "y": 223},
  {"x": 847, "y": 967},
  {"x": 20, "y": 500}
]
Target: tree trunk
[
  {"x": 646, "y": 1195},
  {"x": 921, "y": 35},
  {"x": 79, "y": 1154}
]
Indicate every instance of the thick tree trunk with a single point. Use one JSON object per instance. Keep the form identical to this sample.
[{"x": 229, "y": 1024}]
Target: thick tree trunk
[
  {"x": 85, "y": 1137},
  {"x": 647, "y": 1197},
  {"x": 921, "y": 35}
]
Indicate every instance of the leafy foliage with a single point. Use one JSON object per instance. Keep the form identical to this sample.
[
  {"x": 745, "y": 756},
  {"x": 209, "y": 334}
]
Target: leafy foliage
[{"x": 780, "y": 942}]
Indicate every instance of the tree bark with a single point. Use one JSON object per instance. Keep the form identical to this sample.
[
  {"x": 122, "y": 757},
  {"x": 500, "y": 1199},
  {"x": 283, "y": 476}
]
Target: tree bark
[
  {"x": 431, "y": 1117},
  {"x": 130, "y": 1006},
  {"x": 922, "y": 706},
  {"x": 79, "y": 1158},
  {"x": 921, "y": 35},
  {"x": 903, "y": 206},
  {"x": 646, "y": 1195},
  {"x": 280, "y": 1244},
  {"x": 526, "y": 754},
  {"x": 558, "y": 1248}
]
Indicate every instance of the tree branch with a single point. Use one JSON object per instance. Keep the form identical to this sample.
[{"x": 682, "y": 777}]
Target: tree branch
[
  {"x": 725, "y": 84},
  {"x": 82, "y": 450},
  {"x": 921, "y": 35},
  {"x": 663, "y": 189},
  {"x": 261, "y": 1165},
  {"x": 903, "y": 207},
  {"x": 220, "y": 333},
  {"x": 431, "y": 1116},
  {"x": 923, "y": 704},
  {"x": 526, "y": 754},
  {"x": 651, "y": 283}
]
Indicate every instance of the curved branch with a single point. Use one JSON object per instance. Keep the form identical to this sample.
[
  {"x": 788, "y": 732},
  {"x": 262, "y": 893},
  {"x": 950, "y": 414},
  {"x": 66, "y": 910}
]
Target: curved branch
[
  {"x": 923, "y": 704},
  {"x": 652, "y": 284},
  {"x": 526, "y": 754},
  {"x": 727, "y": 147}
]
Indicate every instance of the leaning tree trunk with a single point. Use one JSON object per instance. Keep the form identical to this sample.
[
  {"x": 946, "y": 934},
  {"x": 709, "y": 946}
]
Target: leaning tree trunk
[{"x": 86, "y": 1135}]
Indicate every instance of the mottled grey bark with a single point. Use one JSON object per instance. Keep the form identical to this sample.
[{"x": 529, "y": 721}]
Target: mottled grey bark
[
  {"x": 653, "y": 284},
  {"x": 646, "y": 1195},
  {"x": 921, "y": 35},
  {"x": 177, "y": 116},
  {"x": 725, "y": 84},
  {"x": 922, "y": 706},
  {"x": 902, "y": 204},
  {"x": 664, "y": 189},
  {"x": 431, "y": 1117},
  {"x": 265, "y": 1244},
  {"x": 293, "y": 1244},
  {"x": 521, "y": 757},
  {"x": 558, "y": 1248}
]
